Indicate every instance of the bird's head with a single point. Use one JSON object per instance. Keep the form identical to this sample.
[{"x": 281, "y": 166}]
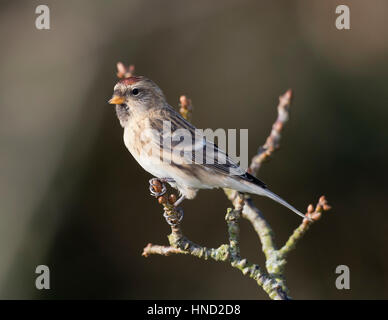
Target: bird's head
[{"x": 135, "y": 95}]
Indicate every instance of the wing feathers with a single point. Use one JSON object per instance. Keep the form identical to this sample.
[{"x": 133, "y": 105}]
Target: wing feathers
[{"x": 196, "y": 149}]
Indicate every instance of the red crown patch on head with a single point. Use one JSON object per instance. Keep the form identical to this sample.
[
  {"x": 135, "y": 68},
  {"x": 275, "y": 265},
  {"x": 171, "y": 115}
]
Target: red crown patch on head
[{"x": 130, "y": 80}]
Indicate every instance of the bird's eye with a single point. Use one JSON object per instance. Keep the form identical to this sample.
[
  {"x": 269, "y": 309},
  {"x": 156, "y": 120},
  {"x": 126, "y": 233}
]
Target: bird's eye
[{"x": 135, "y": 91}]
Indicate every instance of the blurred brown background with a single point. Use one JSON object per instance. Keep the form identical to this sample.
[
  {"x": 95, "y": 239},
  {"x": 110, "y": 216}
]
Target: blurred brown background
[{"x": 73, "y": 198}]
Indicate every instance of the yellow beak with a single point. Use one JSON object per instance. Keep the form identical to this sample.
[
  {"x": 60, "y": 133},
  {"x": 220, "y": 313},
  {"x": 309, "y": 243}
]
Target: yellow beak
[{"x": 116, "y": 100}]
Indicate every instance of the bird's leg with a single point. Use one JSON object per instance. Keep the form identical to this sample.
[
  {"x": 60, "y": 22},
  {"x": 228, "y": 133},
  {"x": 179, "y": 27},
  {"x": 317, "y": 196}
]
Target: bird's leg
[
  {"x": 157, "y": 186},
  {"x": 173, "y": 215},
  {"x": 179, "y": 201}
]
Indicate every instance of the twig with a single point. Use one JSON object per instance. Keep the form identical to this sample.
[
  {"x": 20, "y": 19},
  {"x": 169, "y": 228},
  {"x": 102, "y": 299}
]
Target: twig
[
  {"x": 315, "y": 215},
  {"x": 250, "y": 212},
  {"x": 276, "y": 259},
  {"x": 125, "y": 72},
  {"x": 162, "y": 250},
  {"x": 185, "y": 107},
  {"x": 273, "y": 140}
]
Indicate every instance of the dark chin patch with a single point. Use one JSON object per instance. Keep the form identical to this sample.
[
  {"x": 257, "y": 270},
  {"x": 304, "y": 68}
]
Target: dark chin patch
[{"x": 121, "y": 113}]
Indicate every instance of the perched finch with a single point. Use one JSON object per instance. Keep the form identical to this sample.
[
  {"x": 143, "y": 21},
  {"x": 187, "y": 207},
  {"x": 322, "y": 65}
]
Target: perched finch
[{"x": 189, "y": 165}]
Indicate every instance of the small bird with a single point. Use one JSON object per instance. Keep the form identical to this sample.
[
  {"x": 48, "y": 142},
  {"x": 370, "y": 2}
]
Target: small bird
[{"x": 143, "y": 112}]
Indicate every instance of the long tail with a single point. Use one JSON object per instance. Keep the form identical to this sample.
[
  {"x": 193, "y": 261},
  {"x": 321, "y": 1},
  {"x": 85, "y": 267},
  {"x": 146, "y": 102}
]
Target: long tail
[
  {"x": 273, "y": 196},
  {"x": 249, "y": 183}
]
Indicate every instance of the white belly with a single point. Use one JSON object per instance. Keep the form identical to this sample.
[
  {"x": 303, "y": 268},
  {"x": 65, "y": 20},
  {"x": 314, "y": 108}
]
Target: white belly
[
  {"x": 147, "y": 163},
  {"x": 185, "y": 182}
]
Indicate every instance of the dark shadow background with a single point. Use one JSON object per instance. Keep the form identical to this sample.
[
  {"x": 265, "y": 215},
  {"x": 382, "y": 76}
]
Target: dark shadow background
[{"x": 73, "y": 198}]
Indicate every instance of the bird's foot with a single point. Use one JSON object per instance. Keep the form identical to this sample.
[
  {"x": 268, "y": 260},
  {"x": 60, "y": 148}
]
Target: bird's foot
[
  {"x": 158, "y": 187},
  {"x": 172, "y": 213}
]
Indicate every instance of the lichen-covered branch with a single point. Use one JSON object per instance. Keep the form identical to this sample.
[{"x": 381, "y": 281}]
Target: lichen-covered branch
[
  {"x": 179, "y": 244},
  {"x": 271, "y": 279},
  {"x": 272, "y": 143},
  {"x": 261, "y": 226},
  {"x": 313, "y": 213}
]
